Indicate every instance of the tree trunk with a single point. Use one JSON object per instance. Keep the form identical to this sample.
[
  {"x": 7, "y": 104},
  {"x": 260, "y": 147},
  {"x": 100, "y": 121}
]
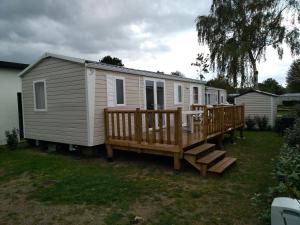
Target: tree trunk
[{"x": 255, "y": 71}]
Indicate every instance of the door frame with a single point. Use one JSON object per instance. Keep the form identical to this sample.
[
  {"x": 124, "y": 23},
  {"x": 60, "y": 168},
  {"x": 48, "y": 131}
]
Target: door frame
[{"x": 155, "y": 91}]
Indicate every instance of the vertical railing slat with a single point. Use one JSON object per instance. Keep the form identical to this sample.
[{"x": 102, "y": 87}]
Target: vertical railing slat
[
  {"x": 112, "y": 124},
  {"x": 168, "y": 128},
  {"x": 123, "y": 126},
  {"x": 147, "y": 126},
  {"x": 129, "y": 126},
  {"x": 153, "y": 127},
  {"x": 160, "y": 125}
]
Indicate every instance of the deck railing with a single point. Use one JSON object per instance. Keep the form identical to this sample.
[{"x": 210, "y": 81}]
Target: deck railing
[
  {"x": 164, "y": 127},
  {"x": 144, "y": 126},
  {"x": 219, "y": 119}
]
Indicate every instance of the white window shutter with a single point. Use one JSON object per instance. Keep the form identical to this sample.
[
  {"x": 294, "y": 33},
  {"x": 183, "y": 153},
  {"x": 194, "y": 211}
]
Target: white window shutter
[{"x": 111, "y": 91}]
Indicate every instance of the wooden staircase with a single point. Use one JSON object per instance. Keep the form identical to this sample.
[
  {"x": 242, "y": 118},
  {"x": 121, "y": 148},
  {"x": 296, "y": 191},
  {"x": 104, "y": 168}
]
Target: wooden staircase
[{"x": 206, "y": 159}]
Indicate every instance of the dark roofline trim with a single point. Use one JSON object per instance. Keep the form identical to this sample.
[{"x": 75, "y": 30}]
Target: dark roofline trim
[
  {"x": 121, "y": 69},
  {"x": 14, "y": 65},
  {"x": 259, "y": 92}
]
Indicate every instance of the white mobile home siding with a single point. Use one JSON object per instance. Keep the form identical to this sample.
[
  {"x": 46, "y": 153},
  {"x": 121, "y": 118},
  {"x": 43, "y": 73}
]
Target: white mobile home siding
[
  {"x": 10, "y": 85},
  {"x": 257, "y": 104},
  {"x": 65, "y": 120},
  {"x": 135, "y": 96}
]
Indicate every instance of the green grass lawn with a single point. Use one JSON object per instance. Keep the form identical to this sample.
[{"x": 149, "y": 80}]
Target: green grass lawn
[{"x": 43, "y": 188}]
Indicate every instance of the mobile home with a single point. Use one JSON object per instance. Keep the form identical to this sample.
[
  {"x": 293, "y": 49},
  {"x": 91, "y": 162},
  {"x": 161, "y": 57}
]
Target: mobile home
[{"x": 64, "y": 97}]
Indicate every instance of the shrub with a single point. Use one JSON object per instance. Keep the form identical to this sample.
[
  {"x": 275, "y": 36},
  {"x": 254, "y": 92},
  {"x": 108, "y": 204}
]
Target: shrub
[
  {"x": 12, "y": 139},
  {"x": 297, "y": 109},
  {"x": 261, "y": 122},
  {"x": 250, "y": 123},
  {"x": 290, "y": 103},
  {"x": 284, "y": 122},
  {"x": 286, "y": 172}
]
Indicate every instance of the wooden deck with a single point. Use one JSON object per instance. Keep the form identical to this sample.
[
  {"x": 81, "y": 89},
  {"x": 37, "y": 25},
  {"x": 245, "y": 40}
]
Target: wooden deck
[{"x": 161, "y": 132}]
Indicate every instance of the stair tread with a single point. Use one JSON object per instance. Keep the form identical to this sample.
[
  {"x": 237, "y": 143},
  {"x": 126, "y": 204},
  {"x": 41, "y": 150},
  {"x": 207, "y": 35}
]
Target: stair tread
[
  {"x": 211, "y": 157},
  {"x": 199, "y": 149},
  {"x": 222, "y": 165}
]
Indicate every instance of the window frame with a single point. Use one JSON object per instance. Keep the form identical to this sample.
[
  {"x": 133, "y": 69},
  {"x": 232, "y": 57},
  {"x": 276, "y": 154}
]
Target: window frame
[
  {"x": 116, "y": 91},
  {"x": 176, "y": 95},
  {"x": 208, "y": 98},
  {"x": 34, "y": 95},
  {"x": 193, "y": 94}
]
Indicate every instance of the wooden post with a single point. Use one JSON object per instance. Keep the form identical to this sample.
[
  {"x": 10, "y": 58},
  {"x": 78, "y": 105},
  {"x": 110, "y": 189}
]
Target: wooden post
[
  {"x": 179, "y": 129},
  {"x": 106, "y": 124},
  {"x": 138, "y": 125},
  {"x": 222, "y": 121},
  {"x": 177, "y": 161},
  {"x": 205, "y": 123},
  {"x": 109, "y": 151},
  {"x": 243, "y": 120}
]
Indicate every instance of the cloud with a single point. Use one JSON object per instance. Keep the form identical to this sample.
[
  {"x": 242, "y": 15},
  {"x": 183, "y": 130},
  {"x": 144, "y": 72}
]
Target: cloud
[
  {"x": 131, "y": 28},
  {"x": 153, "y": 35}
]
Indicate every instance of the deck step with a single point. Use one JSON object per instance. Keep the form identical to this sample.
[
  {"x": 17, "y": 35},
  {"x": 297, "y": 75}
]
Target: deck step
[
  {"x": 222, "y": 165},
  {"x": 199, "y": 149},
  {"x": 214, "y": 156}
]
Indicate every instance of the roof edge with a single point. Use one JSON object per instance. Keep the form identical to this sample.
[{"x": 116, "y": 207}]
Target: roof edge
[
  {"x": 114, "y": 68},
  {"x": 48, "y": 55},
  {"x": 259, "y": 92}
]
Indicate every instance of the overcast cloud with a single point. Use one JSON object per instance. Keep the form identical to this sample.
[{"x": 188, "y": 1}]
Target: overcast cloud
[{"x": 153, "y": 35}]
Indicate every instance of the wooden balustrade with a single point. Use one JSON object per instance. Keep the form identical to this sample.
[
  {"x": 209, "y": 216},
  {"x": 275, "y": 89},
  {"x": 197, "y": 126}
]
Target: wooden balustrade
[
  {"x": 144, "y": 126},
  {"x": 164, "y": 127}
]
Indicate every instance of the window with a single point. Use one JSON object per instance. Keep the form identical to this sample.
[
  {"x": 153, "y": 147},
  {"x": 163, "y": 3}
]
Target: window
[
  {"x": 222, "y": 99},
  {"x": 115, "y": 91},
  {"x": 195, "y": 95},
  {"x": 120, "y": 91},
  {"x": 207, "y": 98},
  {"x": 40, "y": 97},
  {"x": 178, "y": 94}
]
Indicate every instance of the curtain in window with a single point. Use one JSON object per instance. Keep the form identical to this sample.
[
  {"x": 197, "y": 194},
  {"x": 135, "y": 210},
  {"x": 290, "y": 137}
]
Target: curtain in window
[{"x": 40, "y": 95}]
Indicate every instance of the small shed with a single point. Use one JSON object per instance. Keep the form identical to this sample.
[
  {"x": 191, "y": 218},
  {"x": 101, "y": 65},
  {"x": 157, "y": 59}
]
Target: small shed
[{"x": 259, "y": 103}]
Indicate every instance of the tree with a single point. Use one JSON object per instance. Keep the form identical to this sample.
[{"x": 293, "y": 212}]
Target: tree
[
  {"x": 221, "y": 82},
  {"x": 113, "y": 61},
  {"x": 239, "y": 32},
  {"x": 293, "y": 77},
  {"x": 272, "y": 86},
  {"x": 178, "y": 73},
  {"x": 202, "y": 64}
]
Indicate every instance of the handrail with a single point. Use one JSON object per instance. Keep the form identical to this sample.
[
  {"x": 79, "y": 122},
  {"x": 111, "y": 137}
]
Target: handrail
[
  {"x": 165, "y": 126},
  {"x": 144, "y": 126}
]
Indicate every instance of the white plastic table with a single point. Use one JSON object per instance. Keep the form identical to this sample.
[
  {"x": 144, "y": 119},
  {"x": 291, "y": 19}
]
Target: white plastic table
[{"x": 190, "y": 120}]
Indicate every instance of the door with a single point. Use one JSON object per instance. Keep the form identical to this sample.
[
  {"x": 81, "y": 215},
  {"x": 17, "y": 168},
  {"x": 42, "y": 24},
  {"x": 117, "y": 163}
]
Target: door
[
  {"x": 155, "y": 97},
  {"x": 20, "y": 114}
]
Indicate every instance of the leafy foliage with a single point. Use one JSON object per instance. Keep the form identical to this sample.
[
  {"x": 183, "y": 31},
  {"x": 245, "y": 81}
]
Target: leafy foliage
[
  {"x": 12, "y": 139},
  {"x": 202, "y": 64},
  {"x": 284, "y": 122},
  {"x": 286, "y": 172},
  {"x": 239, "y": 32},
  {"x": 221, "y": 82},
  {"x": 272, "y": 86},
  {"x": 178, "y": 73},
  {"x": 250, "y": 123},
  {"x": 261, "y": 122},
  {"x": 293, "y": 77},
  {"x": 113, "y": 61}
]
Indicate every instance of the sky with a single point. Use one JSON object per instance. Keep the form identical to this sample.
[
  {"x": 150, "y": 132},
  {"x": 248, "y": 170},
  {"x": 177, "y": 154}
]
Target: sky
[{"x": 157, "y": 35}]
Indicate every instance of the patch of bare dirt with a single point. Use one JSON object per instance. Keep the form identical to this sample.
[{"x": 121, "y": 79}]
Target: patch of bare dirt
[
  {"x": 16, "y": 208},
  {"x": 146, "y": 208}
]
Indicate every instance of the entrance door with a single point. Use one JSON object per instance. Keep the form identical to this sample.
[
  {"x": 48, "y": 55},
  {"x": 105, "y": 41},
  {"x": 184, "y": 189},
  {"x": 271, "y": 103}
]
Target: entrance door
[
  {"x": 155, "y": 97},
  {"x": 20, "y": 113}
]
